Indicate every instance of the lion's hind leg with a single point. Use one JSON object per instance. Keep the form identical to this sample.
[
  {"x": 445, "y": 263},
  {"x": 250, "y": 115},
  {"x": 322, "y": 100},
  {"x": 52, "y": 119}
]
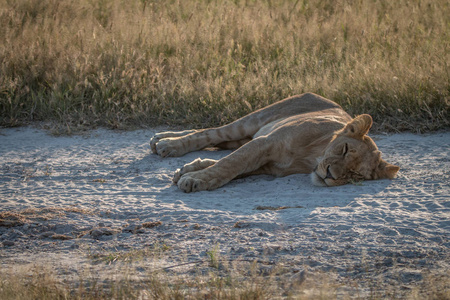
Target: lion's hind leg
[
  {"x": 229, "y": 136},
  {"x": 232, "y": 145},
  {"x": 196, "y": 165}
]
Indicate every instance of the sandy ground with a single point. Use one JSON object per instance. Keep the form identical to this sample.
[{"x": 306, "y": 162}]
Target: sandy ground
[{"x": 66, "y": 201}]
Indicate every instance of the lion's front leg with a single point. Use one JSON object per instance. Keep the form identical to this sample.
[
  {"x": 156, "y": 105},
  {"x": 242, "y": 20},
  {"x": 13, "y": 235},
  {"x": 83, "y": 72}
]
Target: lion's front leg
[{"x": 246, "y": 159}]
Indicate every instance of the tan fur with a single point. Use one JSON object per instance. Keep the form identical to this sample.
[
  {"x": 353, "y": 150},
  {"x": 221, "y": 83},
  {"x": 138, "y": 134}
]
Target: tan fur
[{"x": 300, "y": 134}]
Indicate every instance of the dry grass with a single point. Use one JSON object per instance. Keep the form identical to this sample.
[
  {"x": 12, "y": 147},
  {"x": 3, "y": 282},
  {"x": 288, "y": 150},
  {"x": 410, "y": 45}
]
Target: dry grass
[
  {"x": 30, "y": 215},
  {"x": 229, "y": 281},
  {"x": 81, "y": 64},
  {"x": 155, "y": 251}
]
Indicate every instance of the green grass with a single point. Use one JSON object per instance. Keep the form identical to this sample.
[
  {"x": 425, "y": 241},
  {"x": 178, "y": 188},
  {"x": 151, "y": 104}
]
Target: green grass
[{"x": 121, "y": 64}]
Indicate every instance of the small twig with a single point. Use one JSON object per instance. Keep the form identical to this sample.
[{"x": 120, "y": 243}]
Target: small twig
[
  {"x": 220, "y": 260},
  {"x": 183, "y": 264}
]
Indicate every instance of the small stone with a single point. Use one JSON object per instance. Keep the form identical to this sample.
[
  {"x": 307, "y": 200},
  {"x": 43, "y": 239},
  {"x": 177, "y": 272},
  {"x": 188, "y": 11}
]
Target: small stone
[
  {"x": 241, "y": 224},
  {"x": 240, "y": 250},
  {"x": 388, "y": 262},
  {"x": 47, "y": 234},
  {"x": 269, "y": 251},
  {"x": 98, "y": 232}
]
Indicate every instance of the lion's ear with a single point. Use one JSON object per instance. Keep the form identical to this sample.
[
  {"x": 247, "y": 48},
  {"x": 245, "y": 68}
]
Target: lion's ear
[
  {"x": 387, "y": 170},
  {"x": 358, "y": 127}
]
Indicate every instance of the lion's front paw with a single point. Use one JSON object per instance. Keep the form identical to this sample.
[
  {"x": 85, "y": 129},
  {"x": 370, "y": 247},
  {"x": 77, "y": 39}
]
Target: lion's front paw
[
  {"x": 196, "y": 165},
  {"x": 191, "y": 183}
]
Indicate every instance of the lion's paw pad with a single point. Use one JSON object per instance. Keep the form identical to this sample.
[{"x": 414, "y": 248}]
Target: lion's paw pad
[{"x": 189, "y": 184}]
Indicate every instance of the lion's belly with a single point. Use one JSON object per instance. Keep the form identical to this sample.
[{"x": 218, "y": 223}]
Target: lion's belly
[{"x": 291, "y": 165}]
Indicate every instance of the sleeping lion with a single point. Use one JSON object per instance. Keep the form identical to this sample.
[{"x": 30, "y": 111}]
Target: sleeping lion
[{"x": 300, "y": 134}]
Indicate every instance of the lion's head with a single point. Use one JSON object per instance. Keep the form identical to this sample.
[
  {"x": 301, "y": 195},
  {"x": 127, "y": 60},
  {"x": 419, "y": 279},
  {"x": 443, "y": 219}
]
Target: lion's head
[{"x": 352, "y": 156}]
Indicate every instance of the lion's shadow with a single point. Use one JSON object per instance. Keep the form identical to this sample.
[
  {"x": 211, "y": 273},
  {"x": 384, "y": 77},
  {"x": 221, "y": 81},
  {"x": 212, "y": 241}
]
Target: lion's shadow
[{"x": 261, "y": 199}]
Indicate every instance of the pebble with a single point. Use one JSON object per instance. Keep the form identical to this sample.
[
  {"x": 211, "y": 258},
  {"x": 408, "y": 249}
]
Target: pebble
[
  {"x": 240, "y": 250},
  {"x": 98, "y": 232},
  {"x": 47, "y": 234}
]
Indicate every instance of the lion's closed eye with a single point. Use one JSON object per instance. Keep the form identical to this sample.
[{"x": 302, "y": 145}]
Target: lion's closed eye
[{"x": 345, "y": 149}]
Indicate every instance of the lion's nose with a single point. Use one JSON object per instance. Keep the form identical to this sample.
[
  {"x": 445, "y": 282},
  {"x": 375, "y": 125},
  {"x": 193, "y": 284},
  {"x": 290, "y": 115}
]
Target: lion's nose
[{"x": 329, "y": 173}]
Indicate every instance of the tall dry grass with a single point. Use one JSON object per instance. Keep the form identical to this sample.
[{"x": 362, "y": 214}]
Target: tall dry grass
[{"x": 203, "y": 63}]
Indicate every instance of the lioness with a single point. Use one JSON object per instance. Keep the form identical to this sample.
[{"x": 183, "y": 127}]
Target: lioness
[{"x": 300, "y": 134}]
